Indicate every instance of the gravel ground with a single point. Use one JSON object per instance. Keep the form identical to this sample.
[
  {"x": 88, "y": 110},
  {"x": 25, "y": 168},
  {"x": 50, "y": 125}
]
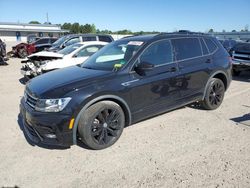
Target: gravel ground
[{"x": 187, "y": 147}]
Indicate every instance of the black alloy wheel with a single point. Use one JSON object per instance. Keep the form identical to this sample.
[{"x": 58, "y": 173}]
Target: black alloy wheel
[
  {"x": 105, "y": 126},
  {"x": 101, "y": 124},
  {"x": 214, "y": 94}
]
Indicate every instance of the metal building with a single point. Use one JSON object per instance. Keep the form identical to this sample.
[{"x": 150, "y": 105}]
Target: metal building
[{"x": 20, "y": 31}]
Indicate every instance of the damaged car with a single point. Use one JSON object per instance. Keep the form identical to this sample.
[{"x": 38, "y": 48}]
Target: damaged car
[
  {"x": 22, "y": 50},
  {"x": 241, "y": 58},
  {"x": 45, "y": 61}
]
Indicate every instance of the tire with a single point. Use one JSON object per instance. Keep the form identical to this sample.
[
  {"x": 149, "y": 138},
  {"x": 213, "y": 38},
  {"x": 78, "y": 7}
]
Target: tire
[
  {"x": 236, "y": 72},
  {"x": 214, "y": 94},
  {"x": 22, "y": 53},
  {"x": 101, "y": 125}
]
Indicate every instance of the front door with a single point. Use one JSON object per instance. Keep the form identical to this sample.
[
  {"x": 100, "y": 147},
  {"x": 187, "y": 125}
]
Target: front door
[{"x": 158, "y": 89}]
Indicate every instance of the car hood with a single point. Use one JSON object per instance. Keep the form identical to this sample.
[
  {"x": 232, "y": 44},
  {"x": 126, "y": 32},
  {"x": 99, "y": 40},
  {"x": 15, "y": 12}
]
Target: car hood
[
  {"x": 46, "y": 54},
  {"x": 59, "y": 82},
  {"x": 242, "y": 48}
]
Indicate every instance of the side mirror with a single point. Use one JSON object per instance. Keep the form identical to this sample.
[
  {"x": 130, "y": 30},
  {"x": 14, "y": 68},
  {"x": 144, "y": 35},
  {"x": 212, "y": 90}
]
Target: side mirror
[
  {"x": 63, "y": 46},
  {"x": 143, "y": 67}
]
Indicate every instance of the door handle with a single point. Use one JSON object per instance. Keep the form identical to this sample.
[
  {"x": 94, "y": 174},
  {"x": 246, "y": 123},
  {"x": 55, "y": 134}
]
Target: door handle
[
  {"x": 208, "y": 61},
  {"x": 172, "y": 69}
]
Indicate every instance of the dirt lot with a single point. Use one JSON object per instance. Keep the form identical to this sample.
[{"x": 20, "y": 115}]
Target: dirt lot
[{"x": 187, "y": 147}]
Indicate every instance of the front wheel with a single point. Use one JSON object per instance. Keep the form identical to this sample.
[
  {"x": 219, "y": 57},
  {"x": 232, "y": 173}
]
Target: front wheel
[
  {"x": 22, "y": 53},
  {"x": 214, "y": 94},
  {"x": 101, "y": 125}
]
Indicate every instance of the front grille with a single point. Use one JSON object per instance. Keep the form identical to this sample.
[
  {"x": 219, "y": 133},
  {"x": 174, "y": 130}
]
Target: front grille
[
  {"x": 241, "y": 56},
  {"x": 30, "y": 100}
]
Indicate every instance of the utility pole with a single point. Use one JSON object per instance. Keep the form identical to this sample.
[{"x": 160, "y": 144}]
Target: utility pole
[{"x": 47, "y": 15}]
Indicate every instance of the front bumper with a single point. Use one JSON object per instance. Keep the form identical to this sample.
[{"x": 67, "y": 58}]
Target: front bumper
[
  {"x": 28, "y": 70},
  {"x": 46, "y": 128}
]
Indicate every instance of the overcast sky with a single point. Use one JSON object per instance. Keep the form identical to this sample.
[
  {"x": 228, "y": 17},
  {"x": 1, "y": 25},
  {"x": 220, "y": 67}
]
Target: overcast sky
[{"x": 135, "y": 15}]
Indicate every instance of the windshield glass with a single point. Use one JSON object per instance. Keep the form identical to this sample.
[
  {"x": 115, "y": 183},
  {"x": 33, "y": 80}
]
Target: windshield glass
[
  {"x": 69, "y": 49},
  {"x": 113, "y": 56},
  {"x": 59, "y": 41}
]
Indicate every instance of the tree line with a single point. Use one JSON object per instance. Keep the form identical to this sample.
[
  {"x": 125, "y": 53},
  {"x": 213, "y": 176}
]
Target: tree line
[{"x": 91, "y": 28}]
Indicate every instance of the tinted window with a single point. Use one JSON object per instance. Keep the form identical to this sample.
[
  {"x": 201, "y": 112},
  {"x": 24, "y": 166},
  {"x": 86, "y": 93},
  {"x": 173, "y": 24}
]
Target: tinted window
[
  {"x": 211, "y": 46},
  {"x": 69, "y": 49},
  {"x": 72, "y": 41},
  {"x": 89, "y": 38},
  {"x": 158, "y": 53},
  {"x": 186, "y": 48},
  {"x": 204, "y": 48},
  {"x": 105, "y": 39},
  {"x": 42, "y": 41},
  {"x": 53, "y": 40}
]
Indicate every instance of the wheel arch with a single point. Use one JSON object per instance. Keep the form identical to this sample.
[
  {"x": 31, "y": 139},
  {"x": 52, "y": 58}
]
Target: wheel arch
[
  {"x": 121, "y": 102},
  {"x": 220, "y": 75}
]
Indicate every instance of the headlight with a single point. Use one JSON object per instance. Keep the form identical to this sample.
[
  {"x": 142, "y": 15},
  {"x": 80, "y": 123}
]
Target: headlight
[{"x": 52, "y": 105}]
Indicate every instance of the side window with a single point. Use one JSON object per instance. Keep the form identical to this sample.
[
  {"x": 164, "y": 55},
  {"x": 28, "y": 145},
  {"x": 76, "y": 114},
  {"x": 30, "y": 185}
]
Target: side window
[
  {"x": 204, "y": 47},
  {"x": 211, "y": 45},
  {"x": 89, "y": 38},
  {"x": 185, "y": 48},
  {"x": 158, "y": 53},
  {"x": 52, "y": 40},
  {"x": 88, "y": 51},
  {"x": 104, "y": 39},
  {"x": 72, "y": 41}
]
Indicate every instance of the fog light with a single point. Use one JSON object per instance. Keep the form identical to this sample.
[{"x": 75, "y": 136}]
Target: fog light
[{"x": 50, "y": 135}]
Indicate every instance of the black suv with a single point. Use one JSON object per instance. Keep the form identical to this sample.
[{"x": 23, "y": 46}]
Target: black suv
[
  {"x": 126, "y": 81},
  {"x": 74, "y": 38}
]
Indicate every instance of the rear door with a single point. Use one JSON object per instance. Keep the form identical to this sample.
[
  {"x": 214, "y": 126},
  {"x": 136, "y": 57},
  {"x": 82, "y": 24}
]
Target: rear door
[
  {"x": 194, "y": 64},
  {"x": 158, "y": 89}
]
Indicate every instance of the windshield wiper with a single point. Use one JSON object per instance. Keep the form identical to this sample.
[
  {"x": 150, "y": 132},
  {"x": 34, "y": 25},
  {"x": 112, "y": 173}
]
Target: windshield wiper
[{"x": 87, "y": 67}]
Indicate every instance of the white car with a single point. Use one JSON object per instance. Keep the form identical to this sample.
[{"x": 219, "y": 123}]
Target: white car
[{"x": 45, "y": 61}]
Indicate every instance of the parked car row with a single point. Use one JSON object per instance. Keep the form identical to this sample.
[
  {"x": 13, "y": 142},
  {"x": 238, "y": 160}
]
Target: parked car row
[
  {"x": 126, "y": 81},
  {"x": 240, "y": 53},
  {"x": 66, "y": 51},
  {"x": 46, "y": 61},
  {"x": 22, "y": 50}
]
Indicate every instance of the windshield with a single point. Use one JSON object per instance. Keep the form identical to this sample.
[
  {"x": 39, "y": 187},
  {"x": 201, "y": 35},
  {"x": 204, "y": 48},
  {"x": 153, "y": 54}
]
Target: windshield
[
  {"x": 69, "y": 49},
  {"x": 59, "y": 41},
  {"x": 113, "y": 56}
]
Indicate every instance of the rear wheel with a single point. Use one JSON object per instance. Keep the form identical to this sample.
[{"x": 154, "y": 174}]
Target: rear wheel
[
  {"x": 214, "y": 94},
  {"x": 101, "y": 124}
]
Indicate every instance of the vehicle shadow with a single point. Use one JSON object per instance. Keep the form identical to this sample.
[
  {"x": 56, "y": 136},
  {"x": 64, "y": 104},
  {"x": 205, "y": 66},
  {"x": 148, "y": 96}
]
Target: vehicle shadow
[
  {"x": 243, "y": 77},
  {"x": 4, "y": 63},
  {"x": 195, "y": 105},
  {"x": 23, "y": 80},
  {"x": 244, "y": 120},
  {"x": 21, "y": 126}
]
